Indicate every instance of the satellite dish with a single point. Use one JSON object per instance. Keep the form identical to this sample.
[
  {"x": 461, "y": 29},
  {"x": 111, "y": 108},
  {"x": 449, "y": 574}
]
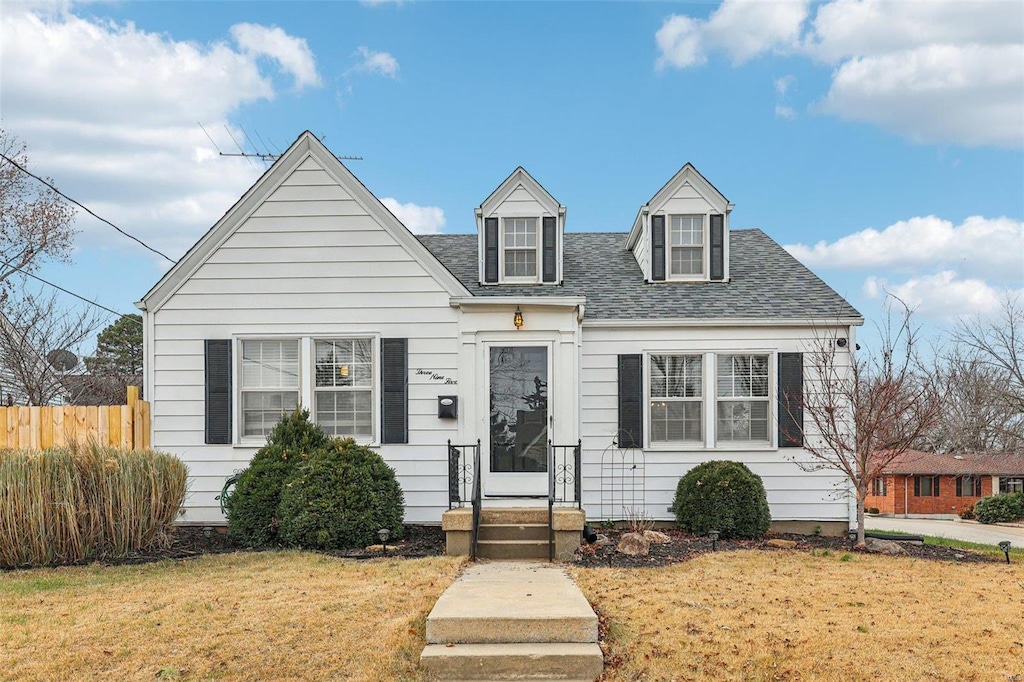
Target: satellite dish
[{"x": 62, "y": 360}]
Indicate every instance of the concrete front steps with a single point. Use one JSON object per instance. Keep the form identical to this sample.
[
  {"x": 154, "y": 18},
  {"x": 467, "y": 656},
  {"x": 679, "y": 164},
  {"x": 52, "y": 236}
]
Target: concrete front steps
[
  {"x": 512, "y": 621},
  {"x": 513, "y": 532}
]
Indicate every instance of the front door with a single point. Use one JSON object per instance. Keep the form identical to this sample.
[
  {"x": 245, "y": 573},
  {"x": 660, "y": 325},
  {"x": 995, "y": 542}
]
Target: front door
[{"x": 518, "y": 420}]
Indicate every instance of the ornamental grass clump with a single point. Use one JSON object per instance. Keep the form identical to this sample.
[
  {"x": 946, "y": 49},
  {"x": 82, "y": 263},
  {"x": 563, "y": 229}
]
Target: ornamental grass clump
[
  {"x": 724, "y": 496},
  {"x": 83, "y": 502}
]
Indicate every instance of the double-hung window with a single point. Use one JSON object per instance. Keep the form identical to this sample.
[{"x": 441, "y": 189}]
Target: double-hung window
[
  {"x": 676, "y": 394},
  {"x": 926, "y": 486},
  {"x": 343, "y": 394},
  {"x": 686, "y": 245},
  {"x": 269, "y": 383},
  {"x": 1011, "y": 485},
  {"x": 742, "y": 407},
  {"x": 519, "y": 246},
  {"x": 968, "y": 486},
  {"x": 878, "y": 487}
]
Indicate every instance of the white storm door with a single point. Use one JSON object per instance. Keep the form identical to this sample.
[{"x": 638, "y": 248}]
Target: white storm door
[{"x": 518, "y": 420}]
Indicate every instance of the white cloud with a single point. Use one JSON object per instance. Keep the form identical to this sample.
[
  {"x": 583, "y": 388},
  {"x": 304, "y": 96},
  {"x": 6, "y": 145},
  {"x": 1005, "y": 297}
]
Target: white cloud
[
  {"x": 942, "y": 71},
  {"x": 783, "y": 84},
  {"x": 993, "y": 247},
  {"x": 944, "y": 295},
  {"x": 742, "y": 28},
  {"x": 380, "y": 63},
  {"x": 419, "y": 219},
  {"x": 782, "y": 111},
  {"x": 129, "y": 146},
  {"x": 293, "y": 54}
]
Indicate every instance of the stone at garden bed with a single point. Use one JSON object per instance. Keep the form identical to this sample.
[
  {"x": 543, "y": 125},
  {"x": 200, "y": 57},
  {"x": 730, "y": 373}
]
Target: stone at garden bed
[
  {"x": 657, "y": 537},
  {"x": 782, "y": 544},
  {"x": 634, "y": 544},
  {"x": 884, "y": 547}
]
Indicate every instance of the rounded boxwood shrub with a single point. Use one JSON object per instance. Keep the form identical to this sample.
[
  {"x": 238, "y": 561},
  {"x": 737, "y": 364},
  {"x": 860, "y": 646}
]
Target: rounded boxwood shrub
[
  {"x": 339, "y": 499},
  {"x": 252, "y": 507},
  {"x": 1001, "y": 508},
  {"x": 725, "y": 496}
]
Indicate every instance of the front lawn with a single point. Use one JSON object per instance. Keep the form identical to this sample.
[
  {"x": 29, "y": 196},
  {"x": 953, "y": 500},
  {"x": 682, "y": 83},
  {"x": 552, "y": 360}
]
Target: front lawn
[
  {"x": 245, "y": 616},
  {"x": 759, "y": 615}
]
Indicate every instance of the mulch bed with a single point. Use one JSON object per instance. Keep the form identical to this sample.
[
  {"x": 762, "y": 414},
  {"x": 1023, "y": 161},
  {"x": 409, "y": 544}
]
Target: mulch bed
[
  {"x": 685, "y": 547},
  {"x": 424, "y": 541}
]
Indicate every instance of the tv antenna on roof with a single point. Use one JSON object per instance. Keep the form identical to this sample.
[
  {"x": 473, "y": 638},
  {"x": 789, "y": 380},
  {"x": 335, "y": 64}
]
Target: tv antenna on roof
[{"x": 265, "y": 155}]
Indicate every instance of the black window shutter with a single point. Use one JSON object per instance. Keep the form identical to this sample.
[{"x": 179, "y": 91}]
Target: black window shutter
[
  {"x": 959, "y": 486},
  {"x": 631, "y": 395},
  {"x": 977, "y": 486},
  {"x": 550, "y": 241},
  {"x": 658, "y": 248},
  {"x": 717, "y": 247},
  {"x": 218, "y": 391},
  {"x": 490, "y": 249},
  {"x": 791, "y": 388},
  {"x": 394, "y": 379},
  {"x": 935, "y": 486},
  {"x": 917, "y": 486}
]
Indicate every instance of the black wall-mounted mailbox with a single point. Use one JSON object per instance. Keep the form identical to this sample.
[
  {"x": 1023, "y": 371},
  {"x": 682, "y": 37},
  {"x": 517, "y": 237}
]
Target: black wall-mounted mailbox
[{"x": 447, "y": 406}]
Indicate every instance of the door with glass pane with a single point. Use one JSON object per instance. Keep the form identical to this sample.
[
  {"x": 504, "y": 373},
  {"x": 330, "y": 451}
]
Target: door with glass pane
[{"x": 518, "y": 420}]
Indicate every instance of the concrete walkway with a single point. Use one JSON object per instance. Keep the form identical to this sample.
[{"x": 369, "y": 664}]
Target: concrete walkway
[
  {"x": 966, "y": 531},
  {"x": 513, "y": 620}
]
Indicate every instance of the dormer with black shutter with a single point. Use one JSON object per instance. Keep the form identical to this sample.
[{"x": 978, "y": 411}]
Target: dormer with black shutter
[
  {"x": 521, "y": 228},
  {"x": 682, "y": 233}
]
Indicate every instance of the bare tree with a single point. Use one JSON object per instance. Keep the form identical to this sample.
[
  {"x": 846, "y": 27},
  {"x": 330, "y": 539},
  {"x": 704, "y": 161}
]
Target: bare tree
[
  {"x": 996, "y": 346},
  {"x": 40, "y": 341},
  {"x": 862, "y": 412},
  {"x": 35, "y": 222}
]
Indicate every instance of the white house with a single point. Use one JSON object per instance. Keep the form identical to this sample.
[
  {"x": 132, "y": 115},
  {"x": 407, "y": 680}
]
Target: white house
[{"x": 656, "y": 349}]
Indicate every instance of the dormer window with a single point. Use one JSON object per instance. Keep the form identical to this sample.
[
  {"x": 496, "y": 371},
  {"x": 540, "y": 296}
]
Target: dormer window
[
  {"x": 519, "y": 252},
  {"x": 686, "y": 246},
  {"x": 521, "y": 228}
]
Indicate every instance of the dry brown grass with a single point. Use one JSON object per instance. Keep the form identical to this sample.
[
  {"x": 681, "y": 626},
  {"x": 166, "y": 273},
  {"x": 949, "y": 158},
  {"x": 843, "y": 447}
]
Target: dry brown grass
[
  {"x": 793, "y": 616},
  {"x": 266, "y": 616}
]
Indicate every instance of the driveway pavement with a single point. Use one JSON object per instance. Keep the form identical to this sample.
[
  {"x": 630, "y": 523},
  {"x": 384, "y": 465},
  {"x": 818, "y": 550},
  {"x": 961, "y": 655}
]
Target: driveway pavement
[{"x": 955, "y": 530}]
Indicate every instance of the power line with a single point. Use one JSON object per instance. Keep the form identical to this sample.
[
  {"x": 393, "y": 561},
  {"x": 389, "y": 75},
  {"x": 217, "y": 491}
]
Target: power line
[
  {"x": 83, "y": 207},
  {"x": 70, "y": 293}
]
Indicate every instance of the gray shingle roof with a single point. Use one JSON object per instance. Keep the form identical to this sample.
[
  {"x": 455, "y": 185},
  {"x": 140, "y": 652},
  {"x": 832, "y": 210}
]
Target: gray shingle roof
[{"x": 766, "y": 282}]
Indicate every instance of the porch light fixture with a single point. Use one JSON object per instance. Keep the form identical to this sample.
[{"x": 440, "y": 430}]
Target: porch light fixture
[
  {"x": 384, "y": 534},
  {"x": 1005, "y": 546},
  {"x": 713, "y": 534},
  {"x": 517, "y": 318}
]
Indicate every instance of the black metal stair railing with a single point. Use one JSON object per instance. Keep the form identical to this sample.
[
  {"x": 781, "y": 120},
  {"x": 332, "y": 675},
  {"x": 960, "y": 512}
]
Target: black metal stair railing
[
  {"x": 464, "y": 483},
  {"x": 564, "y": 483}
]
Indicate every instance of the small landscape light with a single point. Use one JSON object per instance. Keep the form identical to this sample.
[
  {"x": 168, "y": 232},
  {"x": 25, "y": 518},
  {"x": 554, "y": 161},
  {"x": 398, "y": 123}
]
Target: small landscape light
[
  {"x": 852, "y": 534},
  {"x": 713, "y": 534},
  {"x": 384, "y": 534},
  {"x": 1005, "y": 546},
  {"x": 517, "y": 318}
]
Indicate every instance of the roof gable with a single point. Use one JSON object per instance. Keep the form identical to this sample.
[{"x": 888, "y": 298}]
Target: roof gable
[
  {"x": 305, "y": 149},
  {"x": 688, "y": 175},
  {"x": 519, "y": 181}
]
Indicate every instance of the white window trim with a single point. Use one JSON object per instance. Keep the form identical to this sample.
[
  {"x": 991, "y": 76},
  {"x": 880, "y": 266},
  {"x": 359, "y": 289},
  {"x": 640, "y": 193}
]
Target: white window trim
[
  {"x": 704, "y": 276},
  {"x": 539, "y": 238},
  {"x": 307, "y": 380},
  {"x": 650, "y": 399},
  {"x": 710, "y": 398}
]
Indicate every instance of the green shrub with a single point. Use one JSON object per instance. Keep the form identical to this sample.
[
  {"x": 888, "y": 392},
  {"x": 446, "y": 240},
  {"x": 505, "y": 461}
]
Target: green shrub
[
  {"x": 252, "y": 506},
  {"x": 1000, "y": 508},
  {"x": 340, "y": 499},
  {"x": 725, "y": 496},
  {"x": 967, "y": 512},
  {"x": 68, "y": 505}
]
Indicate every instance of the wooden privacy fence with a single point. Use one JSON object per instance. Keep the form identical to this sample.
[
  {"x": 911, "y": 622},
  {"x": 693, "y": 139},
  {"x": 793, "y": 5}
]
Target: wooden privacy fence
[{"x": 37, "y": 428}]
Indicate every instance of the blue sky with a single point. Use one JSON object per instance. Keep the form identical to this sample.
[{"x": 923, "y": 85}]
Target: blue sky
[{"x": 880, "y": 141}]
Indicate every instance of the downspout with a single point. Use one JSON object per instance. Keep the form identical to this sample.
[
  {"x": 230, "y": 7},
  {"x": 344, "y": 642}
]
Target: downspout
[{"x": 906, "y": 495}]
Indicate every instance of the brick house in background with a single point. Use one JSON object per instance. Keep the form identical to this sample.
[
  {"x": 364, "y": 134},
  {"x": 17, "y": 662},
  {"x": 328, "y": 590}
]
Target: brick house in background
[{"x": 930, "y": 484}]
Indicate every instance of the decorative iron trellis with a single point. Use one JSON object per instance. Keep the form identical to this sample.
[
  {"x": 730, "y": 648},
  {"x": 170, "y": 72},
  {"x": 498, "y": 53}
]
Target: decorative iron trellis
[{"x": 623, "y": 482}]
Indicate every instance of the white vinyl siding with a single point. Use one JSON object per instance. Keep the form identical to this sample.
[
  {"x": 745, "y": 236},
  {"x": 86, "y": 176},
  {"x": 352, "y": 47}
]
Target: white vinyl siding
[
  {"x": 269, "y": 383},
  {"x": 519, "y": 249},
  {"x": 685, "y": 251},
  {"x": 796, "y": 491},
  {"x": 311, "y": 264},
  {"x": 676, "y": 389}
]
